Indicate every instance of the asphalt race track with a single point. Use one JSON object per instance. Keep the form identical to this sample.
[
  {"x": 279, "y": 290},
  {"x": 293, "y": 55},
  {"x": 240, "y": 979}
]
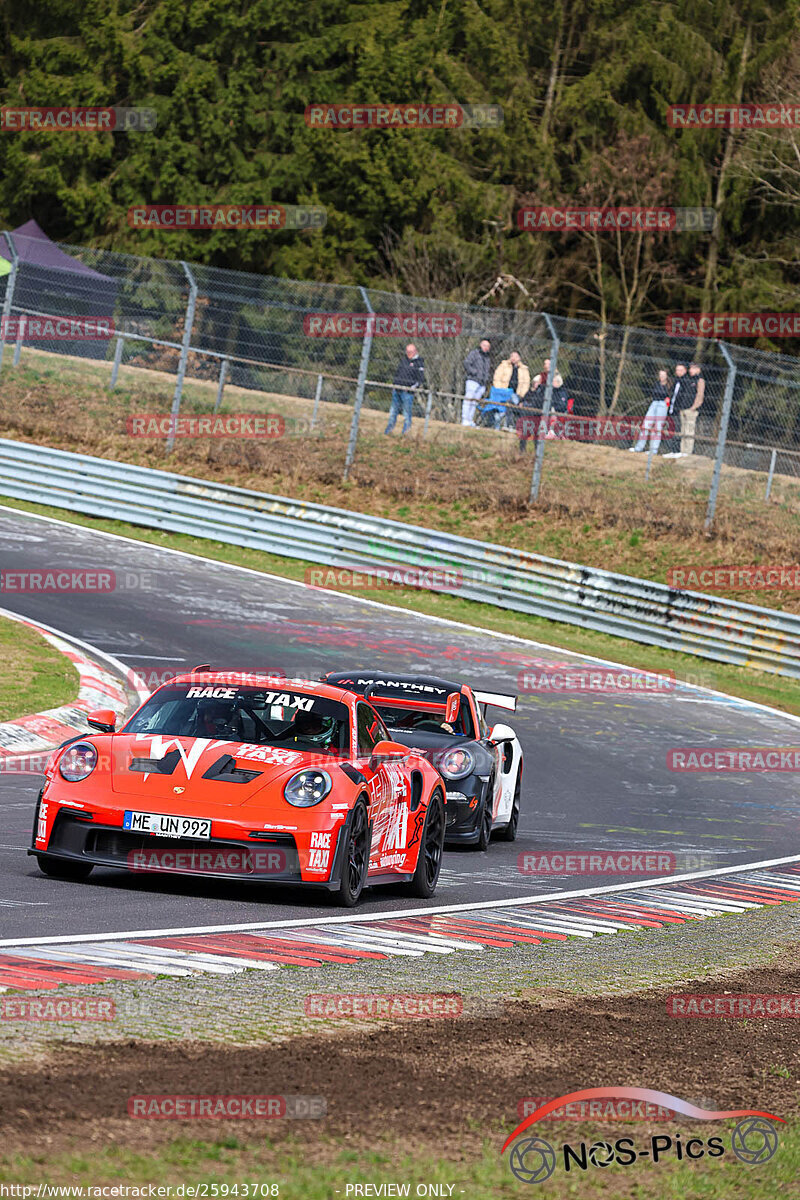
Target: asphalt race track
[{"x": 596, "y": 775}]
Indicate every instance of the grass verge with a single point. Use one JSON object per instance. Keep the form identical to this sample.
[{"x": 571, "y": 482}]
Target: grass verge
[
  {"x": 34, "y": 676},
  {"x": 757, "y": 686},
  {"x": 320, "y": 1170}
]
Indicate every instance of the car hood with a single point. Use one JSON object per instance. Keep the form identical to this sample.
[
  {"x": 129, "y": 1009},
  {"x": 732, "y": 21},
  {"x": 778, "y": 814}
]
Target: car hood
[
  {"x": 218, "y": 772},
  {"x": 427, "y": 742},
  {"x": 430, "y": 745}
]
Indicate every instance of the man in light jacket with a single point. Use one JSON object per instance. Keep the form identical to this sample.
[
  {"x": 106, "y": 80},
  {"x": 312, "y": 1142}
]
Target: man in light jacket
[
  {"x": 513, "y": 376},
  {"x": 478, "y": 369}
]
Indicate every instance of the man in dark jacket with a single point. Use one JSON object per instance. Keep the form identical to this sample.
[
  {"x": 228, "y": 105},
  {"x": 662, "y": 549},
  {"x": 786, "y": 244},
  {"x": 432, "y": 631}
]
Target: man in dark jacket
[
  {"x": 683, "y": 393},
  {"x": 409, "y": 375},
  {"x": 478, "y": 370}
]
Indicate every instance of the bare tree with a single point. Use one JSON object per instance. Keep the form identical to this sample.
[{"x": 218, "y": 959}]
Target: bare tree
[{"x": 622, "y": 265}]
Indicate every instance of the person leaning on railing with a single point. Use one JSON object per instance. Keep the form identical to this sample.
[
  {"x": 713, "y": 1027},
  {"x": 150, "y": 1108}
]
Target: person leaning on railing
[
  {"x": 683, "y": 397},
  {"x": 409, "y": 376},
  {"x": 689, "y": 418},
  {"x": 654, "y": 422},
  {"x": 512, "y": 381},
  {"x": 559, "y": 407},
  {"x": 478, "y": 370}
]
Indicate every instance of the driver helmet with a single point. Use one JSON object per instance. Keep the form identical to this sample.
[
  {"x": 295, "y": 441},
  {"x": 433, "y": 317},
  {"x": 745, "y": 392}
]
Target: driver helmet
[
  {"x": 213, "y": 719},
  {"x": 313, "y": 727}
]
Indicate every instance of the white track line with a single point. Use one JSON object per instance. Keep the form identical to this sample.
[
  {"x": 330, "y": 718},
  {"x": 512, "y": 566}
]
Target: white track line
[{"x": 440, "y": 910}]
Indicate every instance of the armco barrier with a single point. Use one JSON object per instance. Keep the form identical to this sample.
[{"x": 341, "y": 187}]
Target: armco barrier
[{"x": 638, "y": 609}]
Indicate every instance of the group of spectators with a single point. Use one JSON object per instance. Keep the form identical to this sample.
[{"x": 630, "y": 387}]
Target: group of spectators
[
  {"x": 681, "y": 397},
  {"x": 510, "y": 387}
]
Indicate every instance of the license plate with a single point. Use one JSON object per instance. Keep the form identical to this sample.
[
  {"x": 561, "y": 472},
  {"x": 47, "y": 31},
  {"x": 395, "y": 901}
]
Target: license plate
[{"x": 181, "y": 827}]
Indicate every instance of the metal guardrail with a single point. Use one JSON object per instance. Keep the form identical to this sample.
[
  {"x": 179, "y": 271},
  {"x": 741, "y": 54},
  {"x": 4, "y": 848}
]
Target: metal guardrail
[{"x": 621, "y": 605}]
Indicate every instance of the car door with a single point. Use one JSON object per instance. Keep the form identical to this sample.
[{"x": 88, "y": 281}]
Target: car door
[
  {"x": 388, "y": 791},
  {"x": 501, "y": 797}
]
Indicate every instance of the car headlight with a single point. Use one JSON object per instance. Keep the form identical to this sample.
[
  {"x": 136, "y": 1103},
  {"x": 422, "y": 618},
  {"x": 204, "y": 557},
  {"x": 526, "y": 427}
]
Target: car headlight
[
  {"x": 78, "y": 761},
  {"x": 307, "y": 788},
  {"x": 456, "y": 763}
]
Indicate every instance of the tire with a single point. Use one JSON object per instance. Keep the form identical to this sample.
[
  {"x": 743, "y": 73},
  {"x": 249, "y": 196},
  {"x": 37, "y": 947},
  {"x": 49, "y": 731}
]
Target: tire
[
  {"x": 63, "y": 868},
  {"x": 356, "y": 857},
  {"x": 509, "y": 831},
  {"x": 485, "y": 831},
  {"x": 429, "y": 860}
]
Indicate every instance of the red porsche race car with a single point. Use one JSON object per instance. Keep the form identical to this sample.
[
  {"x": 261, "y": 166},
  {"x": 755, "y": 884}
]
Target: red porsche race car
[{"x": 245, "y": 776}]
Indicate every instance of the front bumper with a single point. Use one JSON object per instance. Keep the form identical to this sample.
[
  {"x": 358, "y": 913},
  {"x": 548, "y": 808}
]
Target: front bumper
[
  {"x": 267, "y": 858},
  {"x": 463, "y": 810}
]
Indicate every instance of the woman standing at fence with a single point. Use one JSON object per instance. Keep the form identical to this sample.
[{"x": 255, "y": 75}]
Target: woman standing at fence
[{"x": 653, "y": 424}]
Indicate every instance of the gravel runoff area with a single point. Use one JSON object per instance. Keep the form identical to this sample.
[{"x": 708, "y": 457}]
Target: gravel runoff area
[
  {"x": 537, "y": 1021},
  {"x": 262, "y": 1006}
]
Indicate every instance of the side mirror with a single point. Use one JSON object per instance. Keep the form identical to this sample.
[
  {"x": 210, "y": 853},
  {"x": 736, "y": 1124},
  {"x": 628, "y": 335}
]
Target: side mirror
[
  {"x": 103, "y": 719},
  {"x": 387, "y": 752},
  {"x": 501, "y": 733}
]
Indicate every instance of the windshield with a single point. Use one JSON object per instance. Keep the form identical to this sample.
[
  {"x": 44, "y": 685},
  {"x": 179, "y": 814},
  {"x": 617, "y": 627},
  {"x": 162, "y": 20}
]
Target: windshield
[
  {"x": 258, "y": 716},
  {"x": 412, "y": 719}
]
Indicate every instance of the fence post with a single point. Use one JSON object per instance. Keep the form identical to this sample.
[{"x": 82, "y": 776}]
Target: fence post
[
  {"x": 20, "y": 335},
  {"x": 771, "y": 473},
  {"x": 545, "y": 418},
  {"x": 366, "y": 349},
  {"x": 428, "y": 408},
  {"x": 223, "y": 375},
  {"x": 187, "y": 337},
  {"x": 721, "y": 436},
  {"x": 317, "y": 397},
  {"x": 9, "y": 297},
  {"x": 649, "y": 462},
  {"x": 117, "y": 361}
]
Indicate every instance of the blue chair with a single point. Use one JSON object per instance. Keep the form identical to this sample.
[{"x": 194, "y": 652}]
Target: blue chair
[{"x": 493, "y": 411}]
